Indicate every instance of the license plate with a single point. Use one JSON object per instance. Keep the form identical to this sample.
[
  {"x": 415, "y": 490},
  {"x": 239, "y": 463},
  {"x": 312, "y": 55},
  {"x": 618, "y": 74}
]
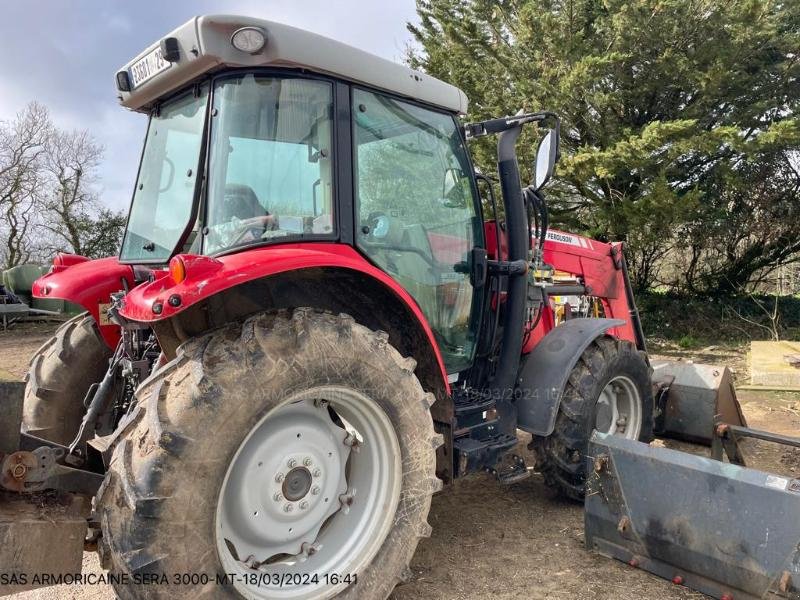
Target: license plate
[{"x": 148, "y": 67}]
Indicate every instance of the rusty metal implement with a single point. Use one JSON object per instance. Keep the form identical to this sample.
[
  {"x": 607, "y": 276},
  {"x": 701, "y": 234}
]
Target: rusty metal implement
[
  {"x": 722, "y": 529},
  {"x": 691, "y": 397}
]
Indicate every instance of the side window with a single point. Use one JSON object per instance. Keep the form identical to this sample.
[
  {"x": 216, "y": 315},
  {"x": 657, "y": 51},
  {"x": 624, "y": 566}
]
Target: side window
[
  {"x": 270, "y": 162},
  {"x": 162, "y": 202},
  {"x": 416, "y": 212}
]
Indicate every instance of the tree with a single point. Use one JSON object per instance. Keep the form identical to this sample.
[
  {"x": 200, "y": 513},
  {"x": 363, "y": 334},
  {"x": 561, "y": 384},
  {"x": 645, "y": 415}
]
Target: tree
[
  {"x": 72, "y": 158},
  {"x": 22, "y": 148},
  {"x": 747, "y": 228},
  {"x": 666, "y": 105},
  {"x": 100, "y": 236},
  {"x": 48, "y": 198}
]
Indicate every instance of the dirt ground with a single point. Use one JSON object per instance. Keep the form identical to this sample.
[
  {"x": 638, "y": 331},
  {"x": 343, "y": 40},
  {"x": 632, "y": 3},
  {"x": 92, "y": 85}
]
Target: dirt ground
[{"x": 508, "y": 542}]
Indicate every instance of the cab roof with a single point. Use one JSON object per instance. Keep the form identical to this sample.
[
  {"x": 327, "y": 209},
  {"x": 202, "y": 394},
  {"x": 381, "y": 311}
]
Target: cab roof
[{"x": 204, "y": 45}]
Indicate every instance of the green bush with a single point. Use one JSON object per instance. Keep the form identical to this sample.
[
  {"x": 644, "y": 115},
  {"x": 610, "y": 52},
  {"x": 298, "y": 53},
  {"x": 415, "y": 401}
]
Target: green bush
[{"x": 696, "y": 321}]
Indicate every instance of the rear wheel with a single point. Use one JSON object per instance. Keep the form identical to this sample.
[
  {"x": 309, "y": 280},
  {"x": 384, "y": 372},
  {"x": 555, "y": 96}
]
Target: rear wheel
[
  {"x": 608, "y": 390},
  {"x": 287, "y": 457},
  {"x": 61, "y": 373}
]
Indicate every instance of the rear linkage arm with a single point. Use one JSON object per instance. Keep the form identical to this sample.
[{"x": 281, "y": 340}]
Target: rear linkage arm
[{"x": 40, "y": 468}]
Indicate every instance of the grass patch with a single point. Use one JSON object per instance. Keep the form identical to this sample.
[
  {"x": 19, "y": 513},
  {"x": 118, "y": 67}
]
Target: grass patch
[{"x": 687, "y": 342}]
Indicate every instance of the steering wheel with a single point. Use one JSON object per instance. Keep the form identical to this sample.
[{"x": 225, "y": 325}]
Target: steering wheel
[{"x": 386, "y": 232}]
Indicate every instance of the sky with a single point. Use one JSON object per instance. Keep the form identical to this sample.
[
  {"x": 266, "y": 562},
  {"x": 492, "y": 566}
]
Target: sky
[{"x": 65, "y": 55}]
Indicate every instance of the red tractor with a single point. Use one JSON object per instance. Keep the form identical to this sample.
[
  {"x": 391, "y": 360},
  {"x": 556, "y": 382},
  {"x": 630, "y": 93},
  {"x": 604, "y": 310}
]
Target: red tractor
[{"x": 314, "y": 321}]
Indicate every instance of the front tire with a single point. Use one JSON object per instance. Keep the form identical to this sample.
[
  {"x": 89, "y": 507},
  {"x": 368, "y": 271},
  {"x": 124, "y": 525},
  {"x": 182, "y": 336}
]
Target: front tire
[
  {"x": 191, "y": 484},
  {"x": 608, "y": 390}
]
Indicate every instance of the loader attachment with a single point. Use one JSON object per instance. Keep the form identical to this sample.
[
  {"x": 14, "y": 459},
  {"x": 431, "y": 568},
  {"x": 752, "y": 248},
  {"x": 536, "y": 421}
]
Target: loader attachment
[
  {"x": 690, "y": 397},
  {"x": 41, "y": 533},
  {"x": 720, "y": 528}
]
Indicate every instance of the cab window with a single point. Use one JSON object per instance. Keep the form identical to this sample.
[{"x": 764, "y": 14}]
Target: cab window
[
  {"x": 416, "y": 212},
  {"x": 270, "y": 172}
]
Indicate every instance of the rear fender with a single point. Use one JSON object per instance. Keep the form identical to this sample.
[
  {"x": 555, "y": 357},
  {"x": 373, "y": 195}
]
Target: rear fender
[
  {"x": 545, "y": 371},
  {"x": 207, "y": 292},
  {"x": 88, "y": 283}
]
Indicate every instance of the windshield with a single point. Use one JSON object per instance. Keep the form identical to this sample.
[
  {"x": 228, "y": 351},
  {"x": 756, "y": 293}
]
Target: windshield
[
  {"x": 165, "y": 187},
  {"x": 270, "y": 168}
]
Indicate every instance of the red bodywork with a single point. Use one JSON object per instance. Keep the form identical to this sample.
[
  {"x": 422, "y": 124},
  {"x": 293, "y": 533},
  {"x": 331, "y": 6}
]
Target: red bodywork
[
  {"x": 597, "y": 264},
  {"x": 91, "y": 283},
  {"x": 88, "y": 283}
]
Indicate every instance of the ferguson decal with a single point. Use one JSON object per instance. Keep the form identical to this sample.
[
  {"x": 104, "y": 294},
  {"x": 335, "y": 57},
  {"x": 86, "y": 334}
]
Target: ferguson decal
[{"x": 566, "y": 238}]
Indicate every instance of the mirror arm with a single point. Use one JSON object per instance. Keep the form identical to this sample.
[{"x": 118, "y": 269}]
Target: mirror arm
[{"x": 492, "y": 126}]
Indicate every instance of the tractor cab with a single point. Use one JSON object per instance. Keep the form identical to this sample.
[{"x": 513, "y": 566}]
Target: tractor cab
[{"x": 255, "y": 142}]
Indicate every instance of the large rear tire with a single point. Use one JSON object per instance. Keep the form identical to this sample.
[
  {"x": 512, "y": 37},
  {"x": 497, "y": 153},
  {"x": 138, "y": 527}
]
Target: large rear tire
[
  {"x": 236, "y": 429},
  {"x": 60, "y": 374},
  {"x": 608, "y": 390}
]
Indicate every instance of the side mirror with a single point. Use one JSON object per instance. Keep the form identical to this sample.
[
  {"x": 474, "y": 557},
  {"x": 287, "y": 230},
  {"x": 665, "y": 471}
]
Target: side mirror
[
  {"x": 450, "y": 182},
  {"x": 452, "y": 190},
  {"x": 546, "y": 157}
]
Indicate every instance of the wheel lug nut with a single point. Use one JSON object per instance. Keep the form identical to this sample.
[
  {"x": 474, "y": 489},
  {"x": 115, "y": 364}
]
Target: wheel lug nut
[
  {"x": 307, "y": 462},
  {"x": 292, "y": 463},
  {"x": 279, "y": 477},
  {"x": 288, "y": 508},
  {"x": 317, "y": 473},
  {"x": 315, "y": 490},
  {"x": 304, "y": 505},
  {"x": 277, "y": 497}
]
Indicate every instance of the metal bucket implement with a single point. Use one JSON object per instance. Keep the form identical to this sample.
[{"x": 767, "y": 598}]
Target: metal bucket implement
[
  {"x": 720, "y": 528},
  {"x": 690, "y": 397}
]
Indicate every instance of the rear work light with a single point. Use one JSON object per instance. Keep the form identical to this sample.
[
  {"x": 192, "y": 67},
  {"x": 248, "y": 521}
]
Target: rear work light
[{"x": 249, "y": 39}]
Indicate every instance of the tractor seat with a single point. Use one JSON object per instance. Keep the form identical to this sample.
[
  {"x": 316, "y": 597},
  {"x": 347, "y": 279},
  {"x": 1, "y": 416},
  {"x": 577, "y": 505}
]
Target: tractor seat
[{"x": 241, "y": 202}]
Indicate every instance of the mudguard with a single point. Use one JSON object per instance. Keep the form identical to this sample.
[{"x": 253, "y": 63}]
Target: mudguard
[
  {"x": 88, "y": 283},
  {"x": 545, "y": 370},
  {"x": 163, "y": 298}
]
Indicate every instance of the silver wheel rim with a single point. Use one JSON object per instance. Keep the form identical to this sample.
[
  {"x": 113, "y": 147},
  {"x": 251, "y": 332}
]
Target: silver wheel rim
[
  {"x": 306, "y": 502},
  {"x": 619, "y": 409}
]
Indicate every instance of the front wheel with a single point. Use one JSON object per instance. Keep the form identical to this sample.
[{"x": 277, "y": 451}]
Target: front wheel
[
  {"x": 608, "y": 390},
  {"x": 289, "y": 457}
]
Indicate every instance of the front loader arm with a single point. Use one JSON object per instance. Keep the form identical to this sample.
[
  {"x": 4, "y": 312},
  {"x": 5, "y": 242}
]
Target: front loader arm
[{"x": 601, "y": 267}]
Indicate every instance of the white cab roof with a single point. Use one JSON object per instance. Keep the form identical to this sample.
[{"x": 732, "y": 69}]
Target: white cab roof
[{"x": 205, "y": 45}]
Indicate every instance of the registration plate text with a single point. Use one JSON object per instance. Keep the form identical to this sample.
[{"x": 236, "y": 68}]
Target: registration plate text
[{"x": 148, "y": 67}]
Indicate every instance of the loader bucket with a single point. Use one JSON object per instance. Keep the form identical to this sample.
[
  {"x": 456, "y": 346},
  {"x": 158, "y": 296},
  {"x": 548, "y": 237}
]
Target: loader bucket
[
  {"x": 719, "y": 528},
  {"x": 690, "y": 397},
  {"x": 42, "y": 534}
]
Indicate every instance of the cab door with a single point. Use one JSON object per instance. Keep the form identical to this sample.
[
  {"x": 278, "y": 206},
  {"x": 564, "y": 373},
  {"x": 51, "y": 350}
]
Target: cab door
[{"x": 417, "y": 214}]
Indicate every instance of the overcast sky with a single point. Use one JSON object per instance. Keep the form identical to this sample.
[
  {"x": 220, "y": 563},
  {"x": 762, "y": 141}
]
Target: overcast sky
[{"x": 65, "y": 55}]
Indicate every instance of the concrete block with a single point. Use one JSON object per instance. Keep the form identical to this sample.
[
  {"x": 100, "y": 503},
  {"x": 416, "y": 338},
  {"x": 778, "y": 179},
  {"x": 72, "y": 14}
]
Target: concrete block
[
  {"x": 771, "y": 364},
  {"x": 40, "y": 536}
]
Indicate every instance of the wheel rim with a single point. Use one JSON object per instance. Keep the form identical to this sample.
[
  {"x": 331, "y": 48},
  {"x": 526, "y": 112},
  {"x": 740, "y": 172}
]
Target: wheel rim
[
  {"x": 619, "y": 409},
  {"x": 332, "y": 455}
]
